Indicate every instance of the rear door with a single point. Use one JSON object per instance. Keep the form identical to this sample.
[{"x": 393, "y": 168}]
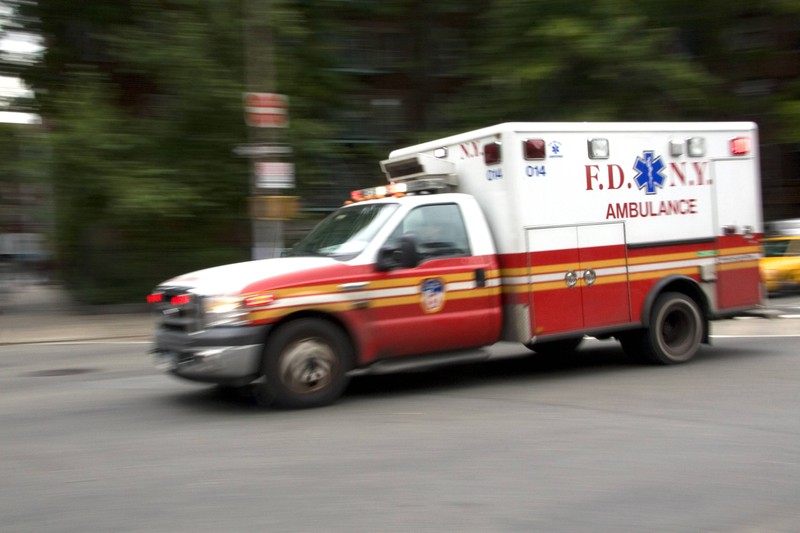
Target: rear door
[{"x": 736, "y": 212}]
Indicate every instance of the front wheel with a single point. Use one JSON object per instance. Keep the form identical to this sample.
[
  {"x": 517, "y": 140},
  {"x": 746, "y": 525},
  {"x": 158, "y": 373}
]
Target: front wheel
[
  {"x": 675, "y": 332},
  {"x": 306, "y": 363}
]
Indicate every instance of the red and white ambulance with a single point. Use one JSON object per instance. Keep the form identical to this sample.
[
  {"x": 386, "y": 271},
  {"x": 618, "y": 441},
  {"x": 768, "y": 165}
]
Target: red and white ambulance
[{"x": 538, "y": 233}]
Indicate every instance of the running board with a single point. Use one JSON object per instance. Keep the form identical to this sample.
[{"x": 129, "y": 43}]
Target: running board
[{"x": 402, "y": 364}]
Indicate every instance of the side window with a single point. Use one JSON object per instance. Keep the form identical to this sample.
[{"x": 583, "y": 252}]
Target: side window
[{"x": 439, "y": 230}]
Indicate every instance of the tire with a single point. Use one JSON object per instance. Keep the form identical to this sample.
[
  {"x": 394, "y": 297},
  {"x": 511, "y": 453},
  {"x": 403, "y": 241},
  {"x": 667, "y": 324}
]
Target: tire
[
  {"x": 675, "y": 333},
  {"x": 556, "y": 347},
  {"x": 306, "y": 363}
]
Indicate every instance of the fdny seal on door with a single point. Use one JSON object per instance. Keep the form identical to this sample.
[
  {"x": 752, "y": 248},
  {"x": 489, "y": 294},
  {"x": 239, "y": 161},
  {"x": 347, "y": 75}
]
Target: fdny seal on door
[{"x": 433, "y": 297}]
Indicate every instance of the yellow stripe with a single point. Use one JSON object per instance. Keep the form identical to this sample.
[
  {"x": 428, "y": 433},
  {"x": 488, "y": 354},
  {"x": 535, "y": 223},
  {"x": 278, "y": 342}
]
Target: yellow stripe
[
  {"x": 267, "y": 314},
  {"x": 511, "y": 289},
  {"x": 741, "y": 250},
  {"x": 655, "y": 274},
  {"x": 737, "y": 265},
  {"x": 313, "y": 290},
  {"x": 664, "y": 258},
  {"x": 660, "y": 258}
]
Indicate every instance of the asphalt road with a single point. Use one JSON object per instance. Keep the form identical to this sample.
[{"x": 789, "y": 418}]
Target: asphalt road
[{"x": 94, "y": 439}]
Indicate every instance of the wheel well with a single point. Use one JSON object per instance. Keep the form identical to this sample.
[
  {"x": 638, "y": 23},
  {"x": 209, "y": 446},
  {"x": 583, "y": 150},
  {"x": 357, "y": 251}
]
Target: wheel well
[
  {"x": 681, "y": 284},
  {"x": 313, "y": 314}
]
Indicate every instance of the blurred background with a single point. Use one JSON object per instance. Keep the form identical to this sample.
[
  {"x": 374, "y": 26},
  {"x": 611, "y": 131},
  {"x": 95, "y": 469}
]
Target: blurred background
[{"x": 123, "y": 136}]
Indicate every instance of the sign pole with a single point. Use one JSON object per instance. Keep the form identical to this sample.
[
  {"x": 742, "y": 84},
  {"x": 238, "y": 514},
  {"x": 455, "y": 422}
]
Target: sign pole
[{"x": 265, "y": 112}]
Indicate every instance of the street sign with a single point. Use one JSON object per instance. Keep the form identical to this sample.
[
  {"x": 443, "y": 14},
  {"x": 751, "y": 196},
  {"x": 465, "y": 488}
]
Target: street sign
[
  {"x": 273, "y": 207},
  {"x": 266, "y": 110},
  {"x": 274, "y": 175},
  {"x": 261, "y": 149}
]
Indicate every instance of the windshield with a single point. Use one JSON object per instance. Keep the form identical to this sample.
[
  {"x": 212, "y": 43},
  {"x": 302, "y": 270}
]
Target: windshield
[
  {"x": 345, "y": 232},
  {"x": 781, "y": 247}
]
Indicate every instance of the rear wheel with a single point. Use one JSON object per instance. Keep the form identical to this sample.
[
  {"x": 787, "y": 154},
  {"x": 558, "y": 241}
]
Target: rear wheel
[
  {"x": 675, "y": 332},
  {"x": 306, "y": 363}
]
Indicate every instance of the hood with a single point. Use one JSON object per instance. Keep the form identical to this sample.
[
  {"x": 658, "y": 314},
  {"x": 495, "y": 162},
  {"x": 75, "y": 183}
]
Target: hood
[{"x": 233, "y": 278}]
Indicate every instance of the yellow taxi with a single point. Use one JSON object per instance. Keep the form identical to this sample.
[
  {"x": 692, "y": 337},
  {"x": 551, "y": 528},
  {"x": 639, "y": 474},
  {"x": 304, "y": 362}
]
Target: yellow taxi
[{"x": 780, "y": 266}]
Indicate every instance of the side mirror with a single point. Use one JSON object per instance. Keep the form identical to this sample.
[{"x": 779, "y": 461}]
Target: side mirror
[{"x": 402, "y": 254}]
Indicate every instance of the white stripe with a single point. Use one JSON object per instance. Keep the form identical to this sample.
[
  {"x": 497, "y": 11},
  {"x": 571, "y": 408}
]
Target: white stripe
[
  {"x": 610, "y": 271},
  {"x": 671, "y": 264},
  {"x": 357, "y": 296},
  {"x": 736, "y": 258}
]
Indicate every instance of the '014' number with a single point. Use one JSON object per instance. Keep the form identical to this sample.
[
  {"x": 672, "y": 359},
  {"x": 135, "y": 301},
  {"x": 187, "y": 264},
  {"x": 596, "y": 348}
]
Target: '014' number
[
  {"x": 494, "y": 174},
  {"x": 535, "y": 170}
]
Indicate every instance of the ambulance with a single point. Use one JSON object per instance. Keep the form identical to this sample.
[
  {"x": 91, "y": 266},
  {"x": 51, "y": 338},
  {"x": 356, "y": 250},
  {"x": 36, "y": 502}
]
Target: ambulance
[{"x": 535, "y": 233}]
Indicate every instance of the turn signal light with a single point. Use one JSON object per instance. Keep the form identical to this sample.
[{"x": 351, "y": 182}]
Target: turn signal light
[{"x": 259, "y": 300}]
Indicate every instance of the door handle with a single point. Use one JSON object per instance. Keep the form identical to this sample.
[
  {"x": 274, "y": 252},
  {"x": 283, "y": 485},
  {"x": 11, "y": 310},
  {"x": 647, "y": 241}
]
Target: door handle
[
  {"x": 354, "y": 286},
  {"x": 589, "y": 276},
  {"x": 571, "y": 278},
  {"x": 480, "y": 277}
]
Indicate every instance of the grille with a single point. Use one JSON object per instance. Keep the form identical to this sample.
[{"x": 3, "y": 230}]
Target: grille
[{"x": 186, "y": 318}]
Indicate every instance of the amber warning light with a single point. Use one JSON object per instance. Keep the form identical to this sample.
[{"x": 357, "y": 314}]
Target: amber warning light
[{"x": 740, "y": 145}]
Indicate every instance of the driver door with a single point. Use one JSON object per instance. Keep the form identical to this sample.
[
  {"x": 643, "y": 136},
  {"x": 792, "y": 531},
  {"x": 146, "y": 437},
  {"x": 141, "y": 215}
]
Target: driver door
[{"x": 443, "y": 303}]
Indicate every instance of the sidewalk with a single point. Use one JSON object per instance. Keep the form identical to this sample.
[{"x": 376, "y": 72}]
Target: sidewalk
[{"x": 38, "y": 312}]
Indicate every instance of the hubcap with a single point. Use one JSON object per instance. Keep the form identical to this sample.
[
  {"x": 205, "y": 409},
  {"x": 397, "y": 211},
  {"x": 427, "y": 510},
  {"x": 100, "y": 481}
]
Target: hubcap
[
  {"x": 307, "y": 366},
  {"x": 677, "y": 331}
]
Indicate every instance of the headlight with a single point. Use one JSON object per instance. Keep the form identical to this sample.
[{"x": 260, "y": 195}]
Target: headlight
[
  {"x": 224, "y": 311},
  {"x": 769, "y": 274}
]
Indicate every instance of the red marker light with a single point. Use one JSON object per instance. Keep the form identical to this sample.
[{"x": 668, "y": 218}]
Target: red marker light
[
  {"x": 491, "y": 153},
  {"x": 356, "y": 195},
  {"x": 533, "y": 149},
  {"x": 740, "y": 145},
  {"x": 181, "y": 299},
  {"x": 154, "y": 298}
]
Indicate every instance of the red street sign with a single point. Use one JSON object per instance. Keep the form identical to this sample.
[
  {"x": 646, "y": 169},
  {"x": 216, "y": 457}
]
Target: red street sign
[{"x": 266, "y": 110}]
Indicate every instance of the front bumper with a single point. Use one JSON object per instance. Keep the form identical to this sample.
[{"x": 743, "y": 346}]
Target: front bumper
[{"x": 228, "y": 356}]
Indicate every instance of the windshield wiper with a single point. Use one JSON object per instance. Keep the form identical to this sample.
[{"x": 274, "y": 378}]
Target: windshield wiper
[{"x": 304, "y": 253}]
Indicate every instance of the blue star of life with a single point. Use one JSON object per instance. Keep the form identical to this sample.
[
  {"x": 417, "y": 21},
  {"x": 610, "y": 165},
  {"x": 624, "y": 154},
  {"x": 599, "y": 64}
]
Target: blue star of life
[{"x": 649, "y": 173}]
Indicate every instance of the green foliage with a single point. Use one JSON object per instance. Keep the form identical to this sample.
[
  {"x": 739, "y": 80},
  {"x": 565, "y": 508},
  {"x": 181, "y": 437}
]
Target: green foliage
[
  {"x": 605, "y": 60},
  {"x": 142, "y": 100}
]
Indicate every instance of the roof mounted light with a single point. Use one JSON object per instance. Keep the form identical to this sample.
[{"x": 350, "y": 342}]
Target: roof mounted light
[
  {"x": 675, "y": 148},
  {"x": 414, "y": 166},
  {"x": 396, "y": 190},
  {"x": 533, "y": 149},
  {"x": 598, "y": 148},
  {"x": 492, "y": 153},
  {"x": 696, "y": 146},
  {"x": 740, "y": 146}
]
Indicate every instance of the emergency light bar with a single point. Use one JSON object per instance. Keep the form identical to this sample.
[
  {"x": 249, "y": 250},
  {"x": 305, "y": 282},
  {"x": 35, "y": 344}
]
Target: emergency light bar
[
  {"x": 406, "y": 168},
  {"x": 396, "y": 190}
]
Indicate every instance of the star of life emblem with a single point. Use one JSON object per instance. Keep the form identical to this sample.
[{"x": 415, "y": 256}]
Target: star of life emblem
[{"x": 649, "y": 174}]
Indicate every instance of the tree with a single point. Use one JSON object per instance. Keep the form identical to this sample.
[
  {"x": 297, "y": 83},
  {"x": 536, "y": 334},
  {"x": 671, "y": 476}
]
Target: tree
[
  {"x": 142, "y": 100},
  {"x": 605, "y": 60}
]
